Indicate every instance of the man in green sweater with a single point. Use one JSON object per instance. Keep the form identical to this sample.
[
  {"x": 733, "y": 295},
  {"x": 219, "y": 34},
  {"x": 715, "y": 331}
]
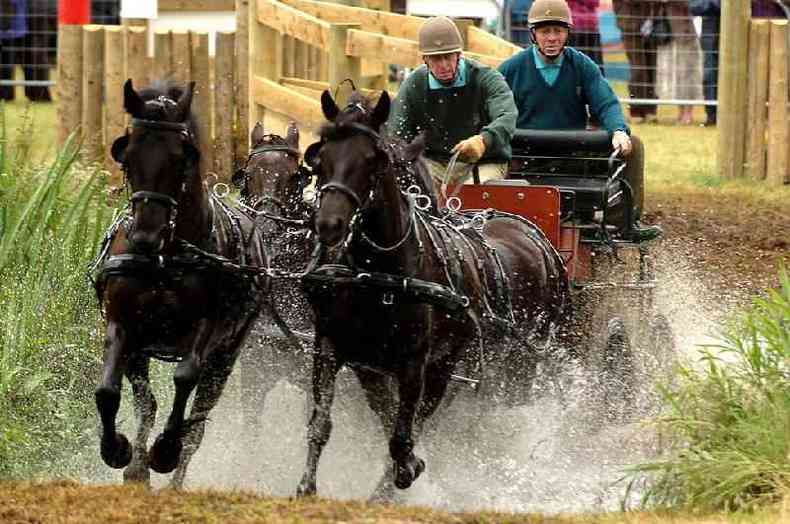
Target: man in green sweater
[
  {"x": 553, "y": 85},
  {"x": 463, "y": 106}
]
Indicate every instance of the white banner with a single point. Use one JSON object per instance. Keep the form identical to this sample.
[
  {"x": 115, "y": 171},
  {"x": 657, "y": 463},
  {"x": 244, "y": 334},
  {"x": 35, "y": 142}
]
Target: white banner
[{"x": 139, "y": 9}]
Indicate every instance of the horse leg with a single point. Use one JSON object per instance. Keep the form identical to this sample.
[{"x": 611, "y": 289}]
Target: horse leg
[
  {"x": 381, "y": 399},
  {"x": 209, "y": 390},
  {"x": 145, "y": 411},
  {"x": 411, "y": 380},
  {"x": 115, "y": 448},
  {"x": 164, "y": 455},
  {"x": 325, "y": 368}
]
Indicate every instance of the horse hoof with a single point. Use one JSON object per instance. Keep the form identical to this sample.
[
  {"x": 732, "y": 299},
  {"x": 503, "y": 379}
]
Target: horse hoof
[
  {"x": 137, "y": 474},
  {"x": 406, "y": 475},
  {"x": 117, "y": 452},
  {"x": 306, "y": 489},
  {"x": 164, "y": 454}
]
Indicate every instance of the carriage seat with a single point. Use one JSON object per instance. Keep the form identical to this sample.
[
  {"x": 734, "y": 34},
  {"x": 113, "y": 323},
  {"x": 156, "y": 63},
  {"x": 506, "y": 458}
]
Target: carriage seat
[{"x": 574, "y": 161}]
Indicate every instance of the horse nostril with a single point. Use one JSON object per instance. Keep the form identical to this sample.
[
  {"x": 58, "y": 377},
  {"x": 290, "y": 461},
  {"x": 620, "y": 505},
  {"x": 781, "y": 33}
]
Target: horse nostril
[
  {"x": 144, "y": 242},
  {"x": 329, "y": 229}
]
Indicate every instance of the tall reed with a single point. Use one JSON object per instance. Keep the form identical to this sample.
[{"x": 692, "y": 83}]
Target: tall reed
[
  {"x": 51, "y": 221},
  {"x": 729, "y": 422}
]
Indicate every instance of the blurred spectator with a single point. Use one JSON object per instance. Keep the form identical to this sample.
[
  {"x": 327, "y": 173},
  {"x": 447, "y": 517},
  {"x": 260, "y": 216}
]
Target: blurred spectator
[
  {"x": 585, "y": 36},
  {"x": 39, "y": 50},
  {"x": 710, "y": 12},
  {"x": 519, "y": 27},
  {"x": 678, "y": 61},
  {"x": 13, "y": 29},
  {"x": 641, "y": 54}
]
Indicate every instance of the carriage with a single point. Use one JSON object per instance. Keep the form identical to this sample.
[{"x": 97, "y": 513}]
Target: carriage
[{"x": 568, "y": 183}]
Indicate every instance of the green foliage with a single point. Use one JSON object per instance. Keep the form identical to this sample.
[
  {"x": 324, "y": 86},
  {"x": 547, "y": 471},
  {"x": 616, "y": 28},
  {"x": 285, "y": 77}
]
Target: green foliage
[
  {"x": 51, "y": 218},
  {"x": 729, "y": 422}
]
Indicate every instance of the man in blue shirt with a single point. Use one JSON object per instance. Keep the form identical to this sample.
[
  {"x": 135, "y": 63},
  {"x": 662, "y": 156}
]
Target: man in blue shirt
[{"x": 553, "y": 85}]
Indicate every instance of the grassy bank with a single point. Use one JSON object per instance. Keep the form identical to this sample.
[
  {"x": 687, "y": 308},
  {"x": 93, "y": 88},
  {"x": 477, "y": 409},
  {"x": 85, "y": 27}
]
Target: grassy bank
[{"x": 52, "y": 217}]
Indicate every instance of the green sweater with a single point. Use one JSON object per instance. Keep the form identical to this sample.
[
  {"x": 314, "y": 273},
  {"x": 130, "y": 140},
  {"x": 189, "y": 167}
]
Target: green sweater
[
  {"x": 484, "y": 105},
  {"x": 562, "y": 105}
]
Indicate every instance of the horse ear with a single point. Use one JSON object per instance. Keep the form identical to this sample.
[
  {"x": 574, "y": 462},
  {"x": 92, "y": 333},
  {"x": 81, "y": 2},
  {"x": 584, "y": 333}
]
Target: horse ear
[
  {"x": 118, "y": 149},
  {"x": 329, "y": 106},
  {"x": 415, "y": 147},
  {"x": 381, "y": 112},
  {"x": 184, "y": 103},
  {"x": 257, "y": 134},
  {"x": 132, "y": 102},
  {"x": 292, "y": 136},
  {"x": 311, "y": 154}
]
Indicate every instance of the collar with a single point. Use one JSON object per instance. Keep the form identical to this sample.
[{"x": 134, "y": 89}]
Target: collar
[
  {"x": 541, "y": 64},
  {"x": 460, "y": 77}
]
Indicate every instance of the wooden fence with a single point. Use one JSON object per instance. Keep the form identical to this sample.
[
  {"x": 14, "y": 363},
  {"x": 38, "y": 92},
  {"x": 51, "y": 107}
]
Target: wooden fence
[
  {"x": 754, "y": 131},
  {"x": 300, "y": 47},
  {"x": 767, "y": 133}
]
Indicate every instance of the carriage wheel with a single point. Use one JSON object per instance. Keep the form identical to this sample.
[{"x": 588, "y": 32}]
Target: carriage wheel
[{"x": 618, "y": 372}]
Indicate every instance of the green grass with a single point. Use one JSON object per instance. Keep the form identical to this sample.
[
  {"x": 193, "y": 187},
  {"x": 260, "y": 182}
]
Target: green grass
[
  {"x": 728, "y": 419},
  {"x": 52, "y": 215}
]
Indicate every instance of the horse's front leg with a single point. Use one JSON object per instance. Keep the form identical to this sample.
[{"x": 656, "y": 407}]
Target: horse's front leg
[
  {"x": 166, "y": 451},
  {"x": 115, "y": 449},
  {"x": 145, "y": 411},
  {"x": 407, "y": 466},
  {"x": 325, "y": 368}
]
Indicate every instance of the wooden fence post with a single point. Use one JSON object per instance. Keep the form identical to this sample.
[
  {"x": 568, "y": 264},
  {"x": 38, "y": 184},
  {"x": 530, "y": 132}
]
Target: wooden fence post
[
  {"x": 733, "y": 70},
  {"x": 69, "y": 84},
  {"x": 163, "y": 55},
  {"x": 92, "y": 95},
  {"x": 341, "y": 66},
  {"x": 759, "y": 37},
  {"x": 136, "y": 56},
  {"x": 182, "y": 53},
  {"x": 114, "y": 78},
  {"x": 223, "y": 106},
  {"x": 776, "y": 173},
  {"x": 266, "y": 56},
  {"x": 242, "y": 81},
  {"x": 201, "y": 103}
]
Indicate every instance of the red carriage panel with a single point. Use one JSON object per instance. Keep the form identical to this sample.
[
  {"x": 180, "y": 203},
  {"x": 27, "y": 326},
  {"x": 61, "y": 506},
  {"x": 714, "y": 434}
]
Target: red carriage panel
[{"x": 540, "y": 204}]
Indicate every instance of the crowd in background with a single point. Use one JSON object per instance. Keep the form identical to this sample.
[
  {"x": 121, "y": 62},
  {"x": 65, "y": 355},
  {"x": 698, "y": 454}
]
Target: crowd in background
[
  {"x": 668, "y": 57},
  {"x": 28, "y": 34}
]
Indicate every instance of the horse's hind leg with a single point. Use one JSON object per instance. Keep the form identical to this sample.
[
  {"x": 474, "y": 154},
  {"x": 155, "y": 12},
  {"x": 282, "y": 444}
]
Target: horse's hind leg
[
  {"x": 145, "y": 411},
  {"x": 209, "y": 390},
  {"x": 325, "y": 368},
  {"x": 115, "y": 448}
]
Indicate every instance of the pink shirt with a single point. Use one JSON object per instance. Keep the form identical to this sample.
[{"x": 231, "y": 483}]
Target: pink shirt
[{"x": 585, "y": 14}]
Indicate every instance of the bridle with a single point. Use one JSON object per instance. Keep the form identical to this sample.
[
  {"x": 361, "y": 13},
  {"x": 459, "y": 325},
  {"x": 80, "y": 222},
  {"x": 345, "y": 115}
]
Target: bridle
[
  {"x": 145, "y": 197},
  {"x": 242, "y": 179},
  {"x": 344, "y": 130}
]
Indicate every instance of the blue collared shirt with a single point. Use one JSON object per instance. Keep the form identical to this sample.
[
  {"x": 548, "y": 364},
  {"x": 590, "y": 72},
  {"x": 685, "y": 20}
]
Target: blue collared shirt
[
  {"x": 460, "y": 78},
  {"x": 18, "y": 24},
  {"x": 549, "y": 71}
]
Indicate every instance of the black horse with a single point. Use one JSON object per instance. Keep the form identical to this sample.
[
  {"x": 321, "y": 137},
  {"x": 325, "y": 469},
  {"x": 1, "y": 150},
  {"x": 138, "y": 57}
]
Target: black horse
[
  {"x": 177, "y": 281},
  {"x": 413, "y": 293},
  {"x": 271, "y": 185}
]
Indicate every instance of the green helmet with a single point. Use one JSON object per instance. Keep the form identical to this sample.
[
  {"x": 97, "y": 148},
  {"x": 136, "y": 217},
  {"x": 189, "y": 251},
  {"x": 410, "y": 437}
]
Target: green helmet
[
  {"x": 544, "y": 12},
  {"x": 439, "y": 35}
]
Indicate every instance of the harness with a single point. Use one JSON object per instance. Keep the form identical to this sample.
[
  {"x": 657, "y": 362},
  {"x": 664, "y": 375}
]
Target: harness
[{"x": 164, "y": 269}]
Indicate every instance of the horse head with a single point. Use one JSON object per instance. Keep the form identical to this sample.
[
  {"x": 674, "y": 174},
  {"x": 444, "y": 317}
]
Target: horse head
[
  {"x": 350, "y": 162},
  {"x": 160, "y": 160},
  {"x": 273, "y": 179}
]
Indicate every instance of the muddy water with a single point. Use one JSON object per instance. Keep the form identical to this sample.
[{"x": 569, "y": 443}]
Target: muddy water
[{"x": 551, "y": 456}]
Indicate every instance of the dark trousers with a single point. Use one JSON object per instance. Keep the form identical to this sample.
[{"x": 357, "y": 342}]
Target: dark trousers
[
  {"x": 709, "y": 41},
  {"x": 589, "y": 43},
  {"x": 641, "y": 55}
]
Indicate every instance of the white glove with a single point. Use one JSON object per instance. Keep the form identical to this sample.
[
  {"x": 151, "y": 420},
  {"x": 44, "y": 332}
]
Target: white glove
[{"x": 621, "y": 142}]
